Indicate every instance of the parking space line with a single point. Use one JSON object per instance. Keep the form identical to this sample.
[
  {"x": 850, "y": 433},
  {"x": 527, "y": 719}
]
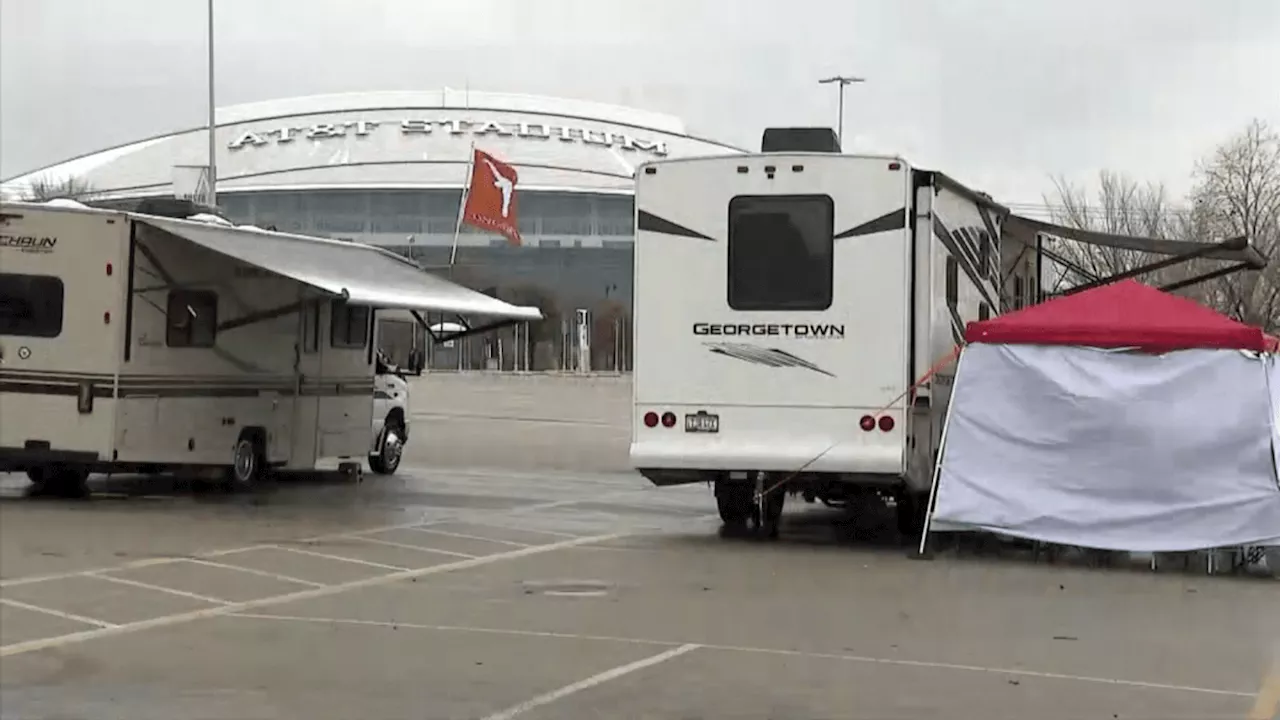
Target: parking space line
[
  {"x": 459, "y": 518},
  {"x": 410, "y": 546},
  {"x": 152, "y": 562},
  {"x": 496, "y": 526},
  {"x": 588, "y": 683},
  {"x": 57, "y": 613},
  {"x": 160, "y": 588},
  {"x": 339, "y": 558},
  {"x": 28, "y": 646},
  {"x": 465, "y": 536},
  {"x": 924, "y": 664},
  {"x": 255, "y": 571}
]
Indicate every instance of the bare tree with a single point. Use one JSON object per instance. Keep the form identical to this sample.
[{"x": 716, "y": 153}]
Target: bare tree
[
  {"x": 46, "y": 188},
  {"x": 1121, "y": 207},
  {"x": 1237, "y": 193}
]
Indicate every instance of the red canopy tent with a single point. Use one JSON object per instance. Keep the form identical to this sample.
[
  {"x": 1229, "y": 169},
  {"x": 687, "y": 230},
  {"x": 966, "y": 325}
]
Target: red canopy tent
[{"x": 1126, "y": 314}]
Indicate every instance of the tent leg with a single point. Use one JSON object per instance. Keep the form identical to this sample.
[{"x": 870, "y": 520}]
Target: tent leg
[{"x": 922, "y": 552}]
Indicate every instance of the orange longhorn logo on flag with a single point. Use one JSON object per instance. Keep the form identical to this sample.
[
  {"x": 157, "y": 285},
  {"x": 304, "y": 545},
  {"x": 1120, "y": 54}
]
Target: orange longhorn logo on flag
[{"x": 491, "y": 199}]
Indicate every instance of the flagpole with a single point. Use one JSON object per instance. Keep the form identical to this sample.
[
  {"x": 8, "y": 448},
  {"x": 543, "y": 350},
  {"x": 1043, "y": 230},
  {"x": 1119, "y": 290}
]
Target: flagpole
[{"x": 462, "y": 203}]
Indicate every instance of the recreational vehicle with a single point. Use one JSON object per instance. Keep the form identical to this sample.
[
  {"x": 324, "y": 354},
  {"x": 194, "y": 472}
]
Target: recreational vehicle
[
  {"x": 135, "y": 342},
  {"x": 796, "y": 316}
]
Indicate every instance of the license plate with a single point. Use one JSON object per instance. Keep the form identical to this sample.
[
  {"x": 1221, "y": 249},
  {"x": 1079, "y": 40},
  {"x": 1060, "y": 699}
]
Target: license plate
[{"x": 702, "y": 422}]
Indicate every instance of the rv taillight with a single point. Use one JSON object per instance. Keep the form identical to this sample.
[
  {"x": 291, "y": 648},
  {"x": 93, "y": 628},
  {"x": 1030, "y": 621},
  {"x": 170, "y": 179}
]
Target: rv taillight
[
  {"x": 106, "y": 318},
  {"x": 108, "y": 268},
  {"x": 668, "y": 419},
  {"x": 895, "y": 166},
  {"x": 867, "y": 423},
  {"x": 886, "y": 423},
  {"x": 651, "y": 419}
]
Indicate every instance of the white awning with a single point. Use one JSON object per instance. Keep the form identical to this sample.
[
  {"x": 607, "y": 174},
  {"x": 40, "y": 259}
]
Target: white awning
[{"x": 361, "y": 274}]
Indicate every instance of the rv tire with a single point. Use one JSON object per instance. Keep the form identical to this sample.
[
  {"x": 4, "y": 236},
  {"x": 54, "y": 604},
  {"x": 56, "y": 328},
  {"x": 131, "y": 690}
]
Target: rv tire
[
  {"x": 59, "y": 480},
  {"x": 387, "y": 461},
  {"x": 248, "y": 462},
  {"x": 733, "y": 500}
]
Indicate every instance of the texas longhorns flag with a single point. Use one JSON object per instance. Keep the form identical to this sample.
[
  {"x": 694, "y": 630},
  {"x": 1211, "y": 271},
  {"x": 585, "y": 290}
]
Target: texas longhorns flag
[{"x": 491, "y": 199}]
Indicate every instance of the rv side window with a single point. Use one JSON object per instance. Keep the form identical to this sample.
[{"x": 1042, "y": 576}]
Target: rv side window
[
  {"x": 953, "y": 282},
  {"x": 31, "y": 305},
  {"x": 350, "y": 326},
  {"x": 310, "y": 327},
  {"x": 192, "y": 318},
  {"x": 780, "y": 249},
  {"x": 984, "y": 311}
]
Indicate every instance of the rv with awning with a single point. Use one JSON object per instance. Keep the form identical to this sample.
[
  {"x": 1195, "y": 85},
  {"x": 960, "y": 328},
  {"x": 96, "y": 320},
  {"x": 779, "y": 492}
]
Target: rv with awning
[
  {"x": 132, "y": 342},
  {"x": 797, "y": 313}
]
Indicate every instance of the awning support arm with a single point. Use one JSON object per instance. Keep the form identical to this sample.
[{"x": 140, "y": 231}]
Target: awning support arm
[
  {"x": 262, "y": 315},
  {"x": 1208, "y": 248},
  {"x": 1205, "y": 277},
  {"x": 443, "y": 337}
]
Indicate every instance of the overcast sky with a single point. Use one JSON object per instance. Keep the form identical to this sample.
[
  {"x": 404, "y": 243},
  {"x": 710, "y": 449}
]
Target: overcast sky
[{"x": 999, "y": 93}]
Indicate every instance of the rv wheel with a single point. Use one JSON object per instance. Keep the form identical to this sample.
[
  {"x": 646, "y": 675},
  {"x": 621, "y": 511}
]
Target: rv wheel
[
  {"x": 733, "y": 500},
  {"x": 59, "y": 481},
  {"x": 388, "y": 461},
  {"x": 247, "y": 462}
]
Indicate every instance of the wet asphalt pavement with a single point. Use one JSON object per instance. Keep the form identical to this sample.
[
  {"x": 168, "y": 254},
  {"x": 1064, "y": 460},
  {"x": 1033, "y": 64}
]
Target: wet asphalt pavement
[{"x": 515, "y": 568}]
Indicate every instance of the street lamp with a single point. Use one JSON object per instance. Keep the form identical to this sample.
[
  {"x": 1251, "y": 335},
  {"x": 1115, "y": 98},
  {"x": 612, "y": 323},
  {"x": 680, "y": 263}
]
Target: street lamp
[
  {"x": 841, "y": 81},
  {"x": 213, "y": 142}
]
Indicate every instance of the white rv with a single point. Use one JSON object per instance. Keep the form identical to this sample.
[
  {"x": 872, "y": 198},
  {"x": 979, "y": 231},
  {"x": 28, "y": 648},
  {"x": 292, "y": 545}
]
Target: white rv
[
  {"x": 131, "y": 342},
  {"x": 785, "y": 303}
]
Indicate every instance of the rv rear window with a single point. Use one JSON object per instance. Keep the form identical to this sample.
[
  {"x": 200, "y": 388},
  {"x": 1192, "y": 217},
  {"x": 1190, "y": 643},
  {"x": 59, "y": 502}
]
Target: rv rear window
[
  {"x": 192, "y": 318},
  {"x": 31, "y": 305},
  {"x": 350, "y": 326},
  {"x": 780, "y": 249}
]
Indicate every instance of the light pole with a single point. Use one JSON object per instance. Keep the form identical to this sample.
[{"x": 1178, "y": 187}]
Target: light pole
[
  {"x": 213, "y": 139},
  {"x": 841, "y": 81}
]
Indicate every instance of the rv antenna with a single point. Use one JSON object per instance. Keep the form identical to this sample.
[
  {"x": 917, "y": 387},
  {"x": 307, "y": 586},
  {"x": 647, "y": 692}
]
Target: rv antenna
[{"x": 841, "y": 81}]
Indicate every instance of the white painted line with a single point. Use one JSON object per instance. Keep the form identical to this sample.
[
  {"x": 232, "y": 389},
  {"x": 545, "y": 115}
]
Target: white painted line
[
  {"x": 255, "y": 571},
  {"x": 465, "y": 536},
  {"x": 339, "y": 558},
  {"x": 57, "y": 613},
  {"x": 151, "y": 562},
  {"x": 19, "y": 648},
  {"x": 411, "y": 546},
  {"x": 549, "y": 533},
  {"x": 160, "y": 588},
  {"x": 459, "y": 519},
  {"x": 757, "y": 650},
  {"x": 588, "y": 683}
]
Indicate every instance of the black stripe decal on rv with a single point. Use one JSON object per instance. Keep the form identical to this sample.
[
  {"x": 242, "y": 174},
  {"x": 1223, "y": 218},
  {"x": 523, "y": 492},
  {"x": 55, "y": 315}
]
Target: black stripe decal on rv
[
  {"x": 966, "y": 262},
  {"x": 649, "y": 222},
  {"x": 770, "y": 357},
  {"x": 896, "y": 220}
]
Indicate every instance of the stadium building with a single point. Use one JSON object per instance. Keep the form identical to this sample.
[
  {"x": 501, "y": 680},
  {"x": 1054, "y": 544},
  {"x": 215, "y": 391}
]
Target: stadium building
[{"x": 388, "y": 168}]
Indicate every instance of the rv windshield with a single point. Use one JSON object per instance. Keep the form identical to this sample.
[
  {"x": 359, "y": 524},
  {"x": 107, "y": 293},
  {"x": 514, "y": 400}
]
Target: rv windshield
[
  {"x": 780, "y": 249},
  {"x": 30, "y": 305}
]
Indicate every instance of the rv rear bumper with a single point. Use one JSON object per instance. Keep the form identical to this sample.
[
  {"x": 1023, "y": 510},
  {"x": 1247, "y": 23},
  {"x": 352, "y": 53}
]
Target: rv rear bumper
[
  {"x": 17, "y": 459},
  {"x": 783, "y": 456}
]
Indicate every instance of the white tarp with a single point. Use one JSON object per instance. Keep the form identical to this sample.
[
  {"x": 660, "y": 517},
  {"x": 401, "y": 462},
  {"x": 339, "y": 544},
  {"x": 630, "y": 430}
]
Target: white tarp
[
  {"x": 1111, "y": 450},
  {"x": 1273, "y": 380}
]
